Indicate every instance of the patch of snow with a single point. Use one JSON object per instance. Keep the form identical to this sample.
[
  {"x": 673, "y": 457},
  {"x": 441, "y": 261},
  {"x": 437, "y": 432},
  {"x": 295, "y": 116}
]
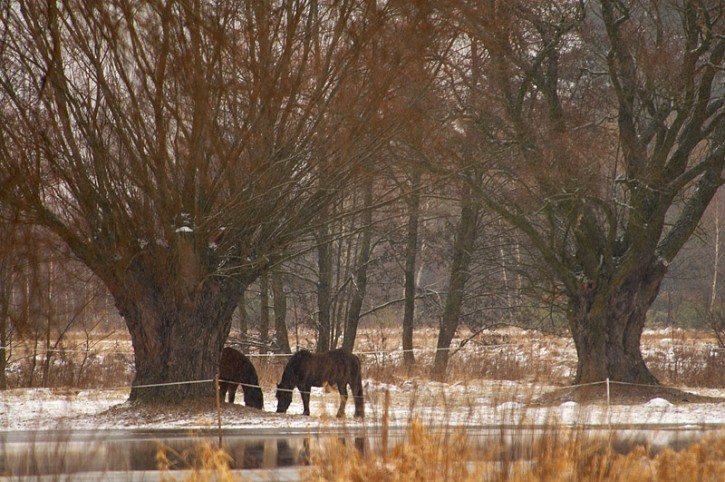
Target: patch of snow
[
  {"x": 510, "y": 406},
  {"x": 475, "y": 403},
  {"x": 658, "y": 402}
]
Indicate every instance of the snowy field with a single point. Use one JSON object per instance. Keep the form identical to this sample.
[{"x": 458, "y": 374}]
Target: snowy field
[
  {"x": 480, "y": 404},
  {"x": 477, "y": 401},
  {"x": 96, "y": 431}
]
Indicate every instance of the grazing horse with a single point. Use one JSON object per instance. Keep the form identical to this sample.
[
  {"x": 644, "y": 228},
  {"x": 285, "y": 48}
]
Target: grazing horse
[
  {"x": 305, "y": 370},
  {"x": 235, "y": 368}
]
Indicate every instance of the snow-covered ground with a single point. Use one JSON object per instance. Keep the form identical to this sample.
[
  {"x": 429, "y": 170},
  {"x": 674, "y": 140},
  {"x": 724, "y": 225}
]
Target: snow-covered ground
[
  {"x": 33, "y": 421},
  {"x": 475, "y": 404},
  {"x": 479, "y": 402}
]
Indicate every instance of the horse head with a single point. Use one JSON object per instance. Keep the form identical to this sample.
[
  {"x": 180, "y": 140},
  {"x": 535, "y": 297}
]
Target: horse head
[{"x": 284, "y": 398}]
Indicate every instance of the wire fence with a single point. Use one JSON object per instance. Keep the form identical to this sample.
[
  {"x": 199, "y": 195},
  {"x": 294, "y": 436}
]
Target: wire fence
[
  {"x": 217, "y": 381},
  {"x": 94, "y": 350},
  {"x": 607, "y": 382},
  {"x": 383, "y": 353}
]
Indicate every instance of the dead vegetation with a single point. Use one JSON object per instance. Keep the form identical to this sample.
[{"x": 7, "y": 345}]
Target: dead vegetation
[
  {"x": 444, "y": 454},
  {"x": 679, "y": 358},
  {"x": 512, "y": 358}
]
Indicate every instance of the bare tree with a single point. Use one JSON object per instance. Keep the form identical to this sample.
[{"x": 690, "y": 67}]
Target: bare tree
[
  {"x": 176, "y": 147},
  {"x": 359, "y": 276},
  {"x": 324, "y": 288},
  {"x": 411, "y": 259},
  {"x": 610, "y": 119},
  {"x": 462, "y": 253},
  {"x": 8, "y": 273}
]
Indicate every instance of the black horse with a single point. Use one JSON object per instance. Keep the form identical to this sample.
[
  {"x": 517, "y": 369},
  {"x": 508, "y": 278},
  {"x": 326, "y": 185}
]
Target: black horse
[
  {"x": 235, "y": 368},
  {"x": 337, "y": 368}
]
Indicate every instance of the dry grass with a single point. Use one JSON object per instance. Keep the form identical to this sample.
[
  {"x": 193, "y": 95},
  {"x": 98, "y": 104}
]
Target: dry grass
[
  {"x": 203, "y": 463},
  {"x": 428, "y": 453},
  {"x": 676, "y": 357},
  {"x": 425, "y": 455},
  {"x": 451, "y": 454},
  {"x": 80, "y": 361},
  {"x": 431, "y": 455}
]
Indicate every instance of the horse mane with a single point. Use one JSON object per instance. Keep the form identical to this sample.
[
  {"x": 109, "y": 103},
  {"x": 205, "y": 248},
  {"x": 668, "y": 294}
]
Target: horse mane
[{"x": 289, "y": 376}]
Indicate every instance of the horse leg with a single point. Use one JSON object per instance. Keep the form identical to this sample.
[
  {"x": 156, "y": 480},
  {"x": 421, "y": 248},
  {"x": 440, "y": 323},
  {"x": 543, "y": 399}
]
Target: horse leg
[
  {"x": 245, "y": 390},
  {"x": 305, "y": 393},
  {"x": 342, "y": 388},
  {"x": 232, "y": 392},
  {"x": 223, "y": 386},
  {"x": 357, "y": 394}
]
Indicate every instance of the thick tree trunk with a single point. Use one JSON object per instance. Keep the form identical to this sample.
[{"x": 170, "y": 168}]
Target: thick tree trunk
[
  {"x": 178, "y": 319},
  {"x": 607, "y": 326},
  {"x": 186, "y": 352},
  {"x": 176, "y": 346}
]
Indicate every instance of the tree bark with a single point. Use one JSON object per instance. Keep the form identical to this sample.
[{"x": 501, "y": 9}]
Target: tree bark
[
  {"x": 178, "y": 319},
  {"x": 361, "y": 272},
  {"x": 607, "y": 326},
  {"x": 462, "y": 250},
  {"x": 5, "y": 300},
  {"x": 715, "y": 260},
  {"x": 50, "y": 319},
  {"x": 243, "y": 320},
  {"x": 186, "y": 350},
  {"x": 279, "y": 299},
  {"x": 324, "y": 290},
  {"x": 411, "y": 254},
  {"x": 263, "y": 312}
]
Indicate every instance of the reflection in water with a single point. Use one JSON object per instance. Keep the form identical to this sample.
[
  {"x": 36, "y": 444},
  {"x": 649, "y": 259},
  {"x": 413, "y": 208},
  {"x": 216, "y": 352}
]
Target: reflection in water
[
  {"x": 66, "y": 456},
  {"x": 70, "y": 453},
  {"x": 285, "y": 455},
  {"x": 246, "y": 455}
]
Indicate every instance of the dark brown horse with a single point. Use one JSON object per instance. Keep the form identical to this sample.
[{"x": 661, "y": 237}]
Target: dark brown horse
[
  {"x": 337, "y": 368},
  {"x": 235, "y": 369}
]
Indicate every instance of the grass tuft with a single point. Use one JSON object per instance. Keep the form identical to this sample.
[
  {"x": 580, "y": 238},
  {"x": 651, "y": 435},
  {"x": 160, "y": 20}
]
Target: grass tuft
[
  {"x": 434, "y": 455},
  {"x": 203, "y": 463}
]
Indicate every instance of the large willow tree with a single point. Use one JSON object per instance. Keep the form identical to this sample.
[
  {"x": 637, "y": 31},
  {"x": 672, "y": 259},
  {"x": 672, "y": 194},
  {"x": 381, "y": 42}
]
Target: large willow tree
[
  {"x": 605, "y": 122},
  {"x": 178, "y": 147}
]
